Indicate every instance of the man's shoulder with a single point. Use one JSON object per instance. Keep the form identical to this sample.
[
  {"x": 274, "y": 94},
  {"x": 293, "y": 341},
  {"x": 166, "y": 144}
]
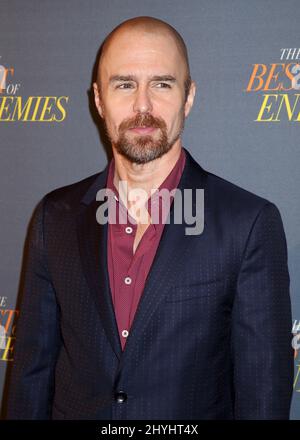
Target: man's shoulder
[
  {"x": 227, "y": 202},
  {"x": 229, "y": 192},
  {"x": 70, "y": 196},
  {"x": 220, "y": 191},
  {"x": 235, "y": 207}
]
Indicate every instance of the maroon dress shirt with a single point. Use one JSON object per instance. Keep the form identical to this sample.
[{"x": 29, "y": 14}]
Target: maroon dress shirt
[{"x": 128, "y": 270}]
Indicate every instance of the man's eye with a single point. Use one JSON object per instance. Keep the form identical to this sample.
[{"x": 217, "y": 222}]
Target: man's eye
[
  {"x": 163, "y": 85},
  {"x": 125, "y": 86}
]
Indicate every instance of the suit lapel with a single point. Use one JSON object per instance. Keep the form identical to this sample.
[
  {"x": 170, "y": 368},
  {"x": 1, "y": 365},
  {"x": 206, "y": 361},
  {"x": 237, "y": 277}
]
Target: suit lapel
[
  {"x": 172, "y": 248},
  {"x": 92, "y": 239}
]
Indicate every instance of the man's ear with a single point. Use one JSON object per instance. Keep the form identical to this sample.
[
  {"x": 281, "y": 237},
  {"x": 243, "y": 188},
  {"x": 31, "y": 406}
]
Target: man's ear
[
  {"x": 190, "y": 99},
  {"x": 98, "y": 99}
]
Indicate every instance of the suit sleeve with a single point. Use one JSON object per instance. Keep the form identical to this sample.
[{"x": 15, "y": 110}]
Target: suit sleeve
[
  {"x": 38, "y": 339},
  {"x": 262, "y": 351}
]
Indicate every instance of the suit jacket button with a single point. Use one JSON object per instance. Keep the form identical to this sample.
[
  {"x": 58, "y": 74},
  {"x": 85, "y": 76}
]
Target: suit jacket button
[{"x": 120, "y": 397}]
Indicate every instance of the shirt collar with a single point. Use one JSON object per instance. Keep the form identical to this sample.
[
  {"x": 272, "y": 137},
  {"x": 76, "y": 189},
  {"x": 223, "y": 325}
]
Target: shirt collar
[{"x": 154, "y": 201}]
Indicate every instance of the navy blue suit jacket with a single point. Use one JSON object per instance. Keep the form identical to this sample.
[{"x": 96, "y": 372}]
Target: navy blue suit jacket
[{"x": 211, "y": 338}]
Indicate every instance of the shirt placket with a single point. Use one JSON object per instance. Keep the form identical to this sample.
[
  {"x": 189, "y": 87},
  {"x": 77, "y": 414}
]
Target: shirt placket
[{"x": 127, "y": 299}]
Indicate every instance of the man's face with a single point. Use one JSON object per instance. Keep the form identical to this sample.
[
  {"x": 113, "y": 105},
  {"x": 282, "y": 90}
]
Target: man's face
[{"x": 142, "y": 97}]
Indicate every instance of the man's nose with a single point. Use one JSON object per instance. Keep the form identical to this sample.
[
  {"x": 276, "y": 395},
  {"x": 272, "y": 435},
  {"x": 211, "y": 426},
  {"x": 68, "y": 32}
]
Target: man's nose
[{"x": 142, "y": 102}]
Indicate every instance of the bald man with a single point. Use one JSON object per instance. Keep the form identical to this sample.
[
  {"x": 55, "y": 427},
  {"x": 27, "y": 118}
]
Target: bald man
[{"x": 139, "y": 306}]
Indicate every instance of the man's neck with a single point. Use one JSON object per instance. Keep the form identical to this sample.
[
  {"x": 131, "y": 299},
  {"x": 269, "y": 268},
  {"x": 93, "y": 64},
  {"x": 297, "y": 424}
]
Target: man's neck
[{"x": 145, "y": 176}]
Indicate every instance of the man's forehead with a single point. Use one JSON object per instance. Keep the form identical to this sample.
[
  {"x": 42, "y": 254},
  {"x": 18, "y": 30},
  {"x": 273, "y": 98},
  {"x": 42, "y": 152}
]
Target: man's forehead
[
  {"x": 130, "y": 31},
  {"x": 132, "y": 41},
  {"x": 141, "y": 52},
  {"x": 143, "y": 43},
  {"x": 138, "y": 73}
]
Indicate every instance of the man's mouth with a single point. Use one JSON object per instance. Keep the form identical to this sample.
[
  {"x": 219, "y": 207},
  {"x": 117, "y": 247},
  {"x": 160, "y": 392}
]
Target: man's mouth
[{"x": 143, "y": 130}]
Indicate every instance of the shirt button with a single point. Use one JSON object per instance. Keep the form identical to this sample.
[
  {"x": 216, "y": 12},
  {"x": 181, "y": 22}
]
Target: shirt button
[
  {"x": 128, "y": 280},
  {"x": 125, "y": 333},
  {"x": 120, "y": 397},
  {"x": 128, "y": 230}
]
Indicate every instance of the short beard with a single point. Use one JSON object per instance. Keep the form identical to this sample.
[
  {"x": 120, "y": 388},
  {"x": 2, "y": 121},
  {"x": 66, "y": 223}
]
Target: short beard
[{"x": 144, "y": 149}]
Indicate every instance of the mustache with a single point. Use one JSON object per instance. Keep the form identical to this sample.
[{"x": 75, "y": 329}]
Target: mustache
[{"x": 142, "y": 120}]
